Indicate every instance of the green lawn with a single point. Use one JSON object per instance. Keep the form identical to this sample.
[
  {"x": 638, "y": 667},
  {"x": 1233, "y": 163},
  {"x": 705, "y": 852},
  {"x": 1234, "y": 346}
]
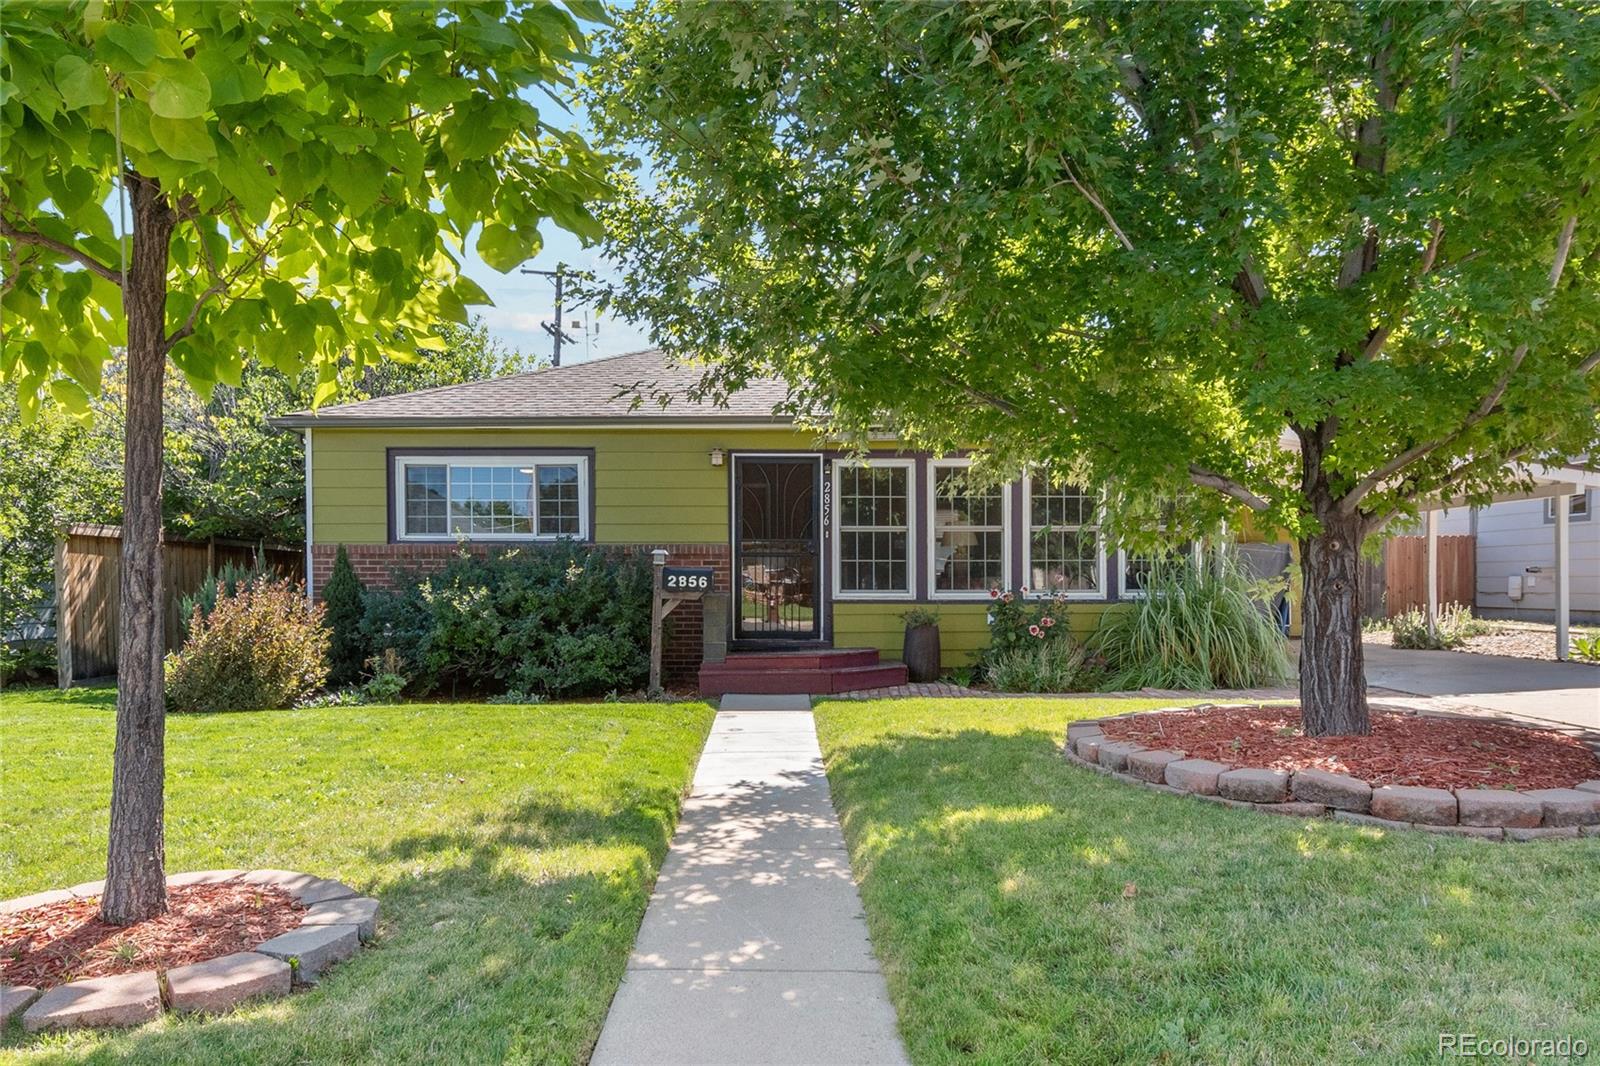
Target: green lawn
[
  {"x": 995, "y": 881},
  {"x": 513, "y": 849}
]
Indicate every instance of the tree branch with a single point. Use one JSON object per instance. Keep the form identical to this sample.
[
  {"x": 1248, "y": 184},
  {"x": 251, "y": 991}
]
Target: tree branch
[
  {"x": 78, "y": 256},
  {"x": 1227, "y": 486},
  {"x": 1488, "y": 406}
]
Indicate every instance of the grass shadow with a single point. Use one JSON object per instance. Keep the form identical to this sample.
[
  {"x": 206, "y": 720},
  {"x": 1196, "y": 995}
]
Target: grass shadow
[{"x": 1030, "y": 910}]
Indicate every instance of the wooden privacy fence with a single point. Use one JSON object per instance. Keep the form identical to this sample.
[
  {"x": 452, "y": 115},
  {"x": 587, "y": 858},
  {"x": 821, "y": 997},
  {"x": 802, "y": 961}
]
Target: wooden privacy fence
[
  {"x": 1406, "y": 572},
  {"x": 89, "y": 585}
]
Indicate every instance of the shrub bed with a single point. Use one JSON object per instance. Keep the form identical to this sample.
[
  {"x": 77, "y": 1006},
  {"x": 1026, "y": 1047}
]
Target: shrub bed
[
  {"x": 261, "y": 647},
  {"x": 551, "y": 619}
]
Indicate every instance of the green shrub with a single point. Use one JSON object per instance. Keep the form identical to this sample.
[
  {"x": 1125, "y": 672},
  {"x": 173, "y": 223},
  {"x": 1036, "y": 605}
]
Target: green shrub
[
  {"x": 920, "y": 616},
  {"x": 226, "y": 580},
  {"x": 551, "y": 619},
  {"x": 1586, "y": 648},
  {"x": 27, "y": 662},
  {"x": 1197, "y": 627},
  {"x": 1453, "y": 628},
  {"x": 262, "y": 647},
  {"x": 386, "y": 678},
  {"x": 1046, "y": 666},
  {"x": 341, "y": 597}
]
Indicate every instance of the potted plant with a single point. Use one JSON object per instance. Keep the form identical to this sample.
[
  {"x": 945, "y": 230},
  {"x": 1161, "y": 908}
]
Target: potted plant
[{"x": 921, "y": 653}]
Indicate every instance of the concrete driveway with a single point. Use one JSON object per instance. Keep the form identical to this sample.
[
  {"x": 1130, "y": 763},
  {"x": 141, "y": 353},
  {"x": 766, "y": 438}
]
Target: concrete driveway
[{"x": 1568, "y": 693}]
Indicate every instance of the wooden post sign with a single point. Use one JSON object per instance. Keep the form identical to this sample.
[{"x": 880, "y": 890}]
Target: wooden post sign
[{"x": 673, "y": 585}]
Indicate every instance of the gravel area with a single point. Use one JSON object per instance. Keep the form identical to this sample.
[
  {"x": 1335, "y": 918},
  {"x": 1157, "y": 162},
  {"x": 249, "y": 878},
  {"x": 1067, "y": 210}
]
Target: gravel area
[{"x": 1521, "y": 640}]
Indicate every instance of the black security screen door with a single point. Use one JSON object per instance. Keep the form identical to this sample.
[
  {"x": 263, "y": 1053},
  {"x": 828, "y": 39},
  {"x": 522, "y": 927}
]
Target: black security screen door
[{"x": 776, "y": 547}]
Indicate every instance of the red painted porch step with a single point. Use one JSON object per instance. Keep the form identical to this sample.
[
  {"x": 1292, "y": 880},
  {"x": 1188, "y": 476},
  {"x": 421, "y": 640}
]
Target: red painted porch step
[{"x": 815, "y": 673}]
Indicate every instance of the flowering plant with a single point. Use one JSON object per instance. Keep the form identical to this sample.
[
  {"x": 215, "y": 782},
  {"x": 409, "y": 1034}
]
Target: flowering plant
[{"x": 1017, "y": 622}]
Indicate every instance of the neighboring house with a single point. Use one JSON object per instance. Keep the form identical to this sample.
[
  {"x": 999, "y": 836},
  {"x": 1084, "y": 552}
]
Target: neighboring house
[
  {"x": 828, "y": 551},
  {"x": 1516, "y": 557}
]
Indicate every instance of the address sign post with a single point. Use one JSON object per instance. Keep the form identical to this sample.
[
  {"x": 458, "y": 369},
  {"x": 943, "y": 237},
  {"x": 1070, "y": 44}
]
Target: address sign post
[{"x": 673, "y": 585}]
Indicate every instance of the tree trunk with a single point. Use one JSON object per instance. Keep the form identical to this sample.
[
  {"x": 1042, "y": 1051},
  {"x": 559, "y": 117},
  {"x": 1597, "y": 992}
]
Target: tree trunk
[
  {"x": 136, "y": 886},
  {"x": 1333, "y": 684}
]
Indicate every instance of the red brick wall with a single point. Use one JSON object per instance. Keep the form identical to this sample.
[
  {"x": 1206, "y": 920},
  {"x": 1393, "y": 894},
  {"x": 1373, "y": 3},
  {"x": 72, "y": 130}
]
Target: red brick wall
[{"x": 375, "y": 565}]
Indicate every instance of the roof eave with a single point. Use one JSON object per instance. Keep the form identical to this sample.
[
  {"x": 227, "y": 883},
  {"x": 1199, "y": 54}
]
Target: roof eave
[{"x": 304, "y": 421}]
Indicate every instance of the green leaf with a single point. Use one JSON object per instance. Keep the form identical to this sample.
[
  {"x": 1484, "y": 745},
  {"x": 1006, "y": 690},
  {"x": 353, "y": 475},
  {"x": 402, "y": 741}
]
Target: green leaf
[
  {"x": 80, "y": 83},
  {"x": 180, "y": 91},
  {"x": 187, "y": 139},
  {"x": 71, "y": 395},
  {"x": 470, "y": 292},
  {"x": 590, "y": 11},
  {"x": 504, "y": 248},
  {"x": 139, "y": 42}
]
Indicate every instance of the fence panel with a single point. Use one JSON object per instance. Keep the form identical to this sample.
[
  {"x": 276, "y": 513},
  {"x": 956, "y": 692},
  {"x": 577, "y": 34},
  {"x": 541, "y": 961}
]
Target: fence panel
[
  {"x": 1406, "y": 572},
  {"x": 89, "y": 586}
]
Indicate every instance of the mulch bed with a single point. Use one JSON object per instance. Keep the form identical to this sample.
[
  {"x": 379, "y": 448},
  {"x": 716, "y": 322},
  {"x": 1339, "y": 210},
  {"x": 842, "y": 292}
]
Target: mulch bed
[
  {"x": 1403, "y": 749},
  {"x": 60, "y": 942}
]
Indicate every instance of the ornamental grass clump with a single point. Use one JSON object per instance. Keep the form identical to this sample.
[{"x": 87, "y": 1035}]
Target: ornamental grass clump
[
  {"x": 1197, "y": 627},
  {"x": 1046, "y": 666},
  {"x": 263, "y": 647},
  {"x": 1453, "y": 627}
]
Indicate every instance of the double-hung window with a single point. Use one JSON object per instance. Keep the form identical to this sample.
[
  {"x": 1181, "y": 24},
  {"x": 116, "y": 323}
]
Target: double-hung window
[
  {"x": 1138, "y": 566},
  {"x": 528, "y": 497},
  {"x": 874, "y": 523},
  {"x": 968, "y": 532},
  {"x": 1066, "y": 555}
]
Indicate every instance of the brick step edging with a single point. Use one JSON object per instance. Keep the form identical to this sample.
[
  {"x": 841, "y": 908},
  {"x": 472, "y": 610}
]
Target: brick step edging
[
  {"x": 336, "y": 923},
  {"x": 1489, "y": 814}
]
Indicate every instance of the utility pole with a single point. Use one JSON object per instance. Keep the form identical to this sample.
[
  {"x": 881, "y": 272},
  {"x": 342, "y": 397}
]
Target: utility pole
[{"x": 556, "y": 331}]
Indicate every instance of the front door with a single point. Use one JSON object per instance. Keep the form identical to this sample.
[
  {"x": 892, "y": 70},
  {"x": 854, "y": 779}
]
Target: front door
[{"x": 777, "y": 547}]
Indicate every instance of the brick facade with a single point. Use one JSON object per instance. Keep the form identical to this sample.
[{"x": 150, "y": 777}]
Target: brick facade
[{"x": 377, "y": 564}]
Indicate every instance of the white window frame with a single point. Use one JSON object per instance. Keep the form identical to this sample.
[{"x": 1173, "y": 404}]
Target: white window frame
[
  {"x": 585, "y": 517},
  {"x": 1196, "y": 553},
  {"x": 1576, "y": 500},
  {"x": 934, "y": 592},
  {"x": 1103, "y": 592},
  {"x": 837, "y": 529}
]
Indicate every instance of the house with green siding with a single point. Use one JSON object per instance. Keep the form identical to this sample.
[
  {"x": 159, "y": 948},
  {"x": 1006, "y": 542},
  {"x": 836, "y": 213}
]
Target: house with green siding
[{"x": 816, "y": 552}]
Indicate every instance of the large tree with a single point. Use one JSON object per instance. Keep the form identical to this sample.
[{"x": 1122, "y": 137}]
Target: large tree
[
  {"x": 298, "y": 180},
  {"x": 1322, "y": 261}
]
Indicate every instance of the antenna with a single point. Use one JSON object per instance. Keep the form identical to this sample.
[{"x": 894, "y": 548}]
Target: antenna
[{"x": 557, "y": 334}]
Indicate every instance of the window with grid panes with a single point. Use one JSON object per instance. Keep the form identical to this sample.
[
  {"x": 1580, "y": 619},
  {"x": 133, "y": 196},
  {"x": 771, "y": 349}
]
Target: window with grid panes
[{"x": 874, "y": 528}]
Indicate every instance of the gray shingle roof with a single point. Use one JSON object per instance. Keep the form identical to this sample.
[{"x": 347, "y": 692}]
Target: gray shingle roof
[{"x": 598, "y": 390}]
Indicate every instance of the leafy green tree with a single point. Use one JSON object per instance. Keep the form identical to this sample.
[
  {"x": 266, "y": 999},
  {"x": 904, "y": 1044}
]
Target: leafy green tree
[
  {"x": 1145, "y": 244},
  {"x": 298, "y": 180},
  {"x": 342, "y": 600}
]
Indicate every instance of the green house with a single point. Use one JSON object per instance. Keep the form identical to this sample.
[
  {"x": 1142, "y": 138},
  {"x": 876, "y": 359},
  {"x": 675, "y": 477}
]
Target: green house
[{"x": 813, "y": 547}]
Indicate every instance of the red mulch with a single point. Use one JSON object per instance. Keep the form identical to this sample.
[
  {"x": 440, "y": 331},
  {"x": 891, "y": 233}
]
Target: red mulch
[
  {"x": 1403, "y": 749},
  {"x": 60, "y": 942}
]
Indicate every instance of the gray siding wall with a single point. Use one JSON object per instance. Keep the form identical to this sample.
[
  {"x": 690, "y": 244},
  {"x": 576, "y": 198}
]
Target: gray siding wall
[{"x": 1515, "y": 536}]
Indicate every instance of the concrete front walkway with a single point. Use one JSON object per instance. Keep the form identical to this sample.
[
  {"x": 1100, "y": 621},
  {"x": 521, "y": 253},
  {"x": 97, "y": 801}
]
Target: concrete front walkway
[
  {"x": 754, "y": 948},
  {"x": 1568, "y": 693}
]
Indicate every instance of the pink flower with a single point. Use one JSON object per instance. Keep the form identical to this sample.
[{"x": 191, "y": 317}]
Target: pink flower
[
  {"x": 1007, "y": 597},
  {"x": 1024, "y": 590},
  {"x": 993, "y": 593},
  {"x": 1047, "y": 621},
  {"x": 1035, "y": 631}
]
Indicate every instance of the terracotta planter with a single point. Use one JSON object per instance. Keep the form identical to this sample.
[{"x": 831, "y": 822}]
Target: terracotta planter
[{"x": 921, "y": 654}]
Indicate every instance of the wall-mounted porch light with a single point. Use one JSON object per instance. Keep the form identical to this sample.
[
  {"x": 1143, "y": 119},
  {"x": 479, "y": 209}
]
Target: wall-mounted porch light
[{"x": 717, "y": 455}]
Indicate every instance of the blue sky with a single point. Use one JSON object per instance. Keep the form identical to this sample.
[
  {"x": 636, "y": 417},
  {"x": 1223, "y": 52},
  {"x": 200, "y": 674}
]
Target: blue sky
[{"x": 522, "y": 302}]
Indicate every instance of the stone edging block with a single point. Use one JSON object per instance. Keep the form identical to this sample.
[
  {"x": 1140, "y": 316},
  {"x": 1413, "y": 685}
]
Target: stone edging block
[
  {"x": 334, "y": 925},
  {"x": 1476, "y": 813}
]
